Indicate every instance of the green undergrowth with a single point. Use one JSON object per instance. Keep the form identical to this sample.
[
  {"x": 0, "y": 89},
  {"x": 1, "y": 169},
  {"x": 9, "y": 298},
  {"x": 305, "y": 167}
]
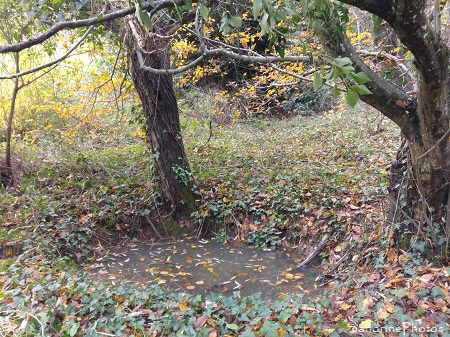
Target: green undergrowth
[
  {"x": 275, "y": 184},
  {"x": 270, "y": 182}
]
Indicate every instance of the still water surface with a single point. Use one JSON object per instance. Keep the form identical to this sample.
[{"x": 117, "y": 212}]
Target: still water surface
[{"x": 203, "y": 266}]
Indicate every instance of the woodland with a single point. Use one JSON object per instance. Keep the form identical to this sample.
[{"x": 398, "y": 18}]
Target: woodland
[{"x": 317, "y": 130}]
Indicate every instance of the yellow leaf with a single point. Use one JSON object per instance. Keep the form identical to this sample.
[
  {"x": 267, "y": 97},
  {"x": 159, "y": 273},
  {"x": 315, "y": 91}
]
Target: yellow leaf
[
  {"x": 212, "y": 272},
  {"x": 345, "y": 306},
  {"x": 382, "y": 313},
  {"x": 389, "y": 309},
  {"x": 366, "y": 324},
  {"x": 183, "y": 305}
]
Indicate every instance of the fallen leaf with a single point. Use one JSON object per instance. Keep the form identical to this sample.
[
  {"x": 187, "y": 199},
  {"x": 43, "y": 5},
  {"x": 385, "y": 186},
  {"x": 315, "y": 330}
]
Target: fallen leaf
[
  {"x": 366, "y": 324},
  {"x": 183, "y": 306},
  {"x": 199, "y": 322}
]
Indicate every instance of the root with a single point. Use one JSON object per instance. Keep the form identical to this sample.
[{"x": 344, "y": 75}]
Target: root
[{"x": 316, "y": 251}]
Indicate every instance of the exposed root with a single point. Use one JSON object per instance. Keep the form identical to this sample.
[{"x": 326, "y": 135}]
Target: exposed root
[{"x": 316, "y": 251}]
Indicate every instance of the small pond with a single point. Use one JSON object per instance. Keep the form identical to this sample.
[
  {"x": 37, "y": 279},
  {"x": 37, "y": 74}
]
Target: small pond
[{"x": 203, "y": 266}]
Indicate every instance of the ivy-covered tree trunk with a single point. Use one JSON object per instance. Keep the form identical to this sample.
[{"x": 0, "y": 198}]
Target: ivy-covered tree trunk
[
  {"x": 422, "y": 115},
  {"x": 159, "y": 103}
]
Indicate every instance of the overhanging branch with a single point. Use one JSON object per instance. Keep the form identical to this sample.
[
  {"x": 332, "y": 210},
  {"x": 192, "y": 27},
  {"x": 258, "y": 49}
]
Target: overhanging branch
[
  {"x": 58, "y": 60},
  {"x": 220, "y": 52},
  {"x": 93, "y": 21}
]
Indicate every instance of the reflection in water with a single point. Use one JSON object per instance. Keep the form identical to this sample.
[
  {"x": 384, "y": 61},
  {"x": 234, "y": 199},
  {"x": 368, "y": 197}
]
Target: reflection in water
[{"x": 201, "y": 267}]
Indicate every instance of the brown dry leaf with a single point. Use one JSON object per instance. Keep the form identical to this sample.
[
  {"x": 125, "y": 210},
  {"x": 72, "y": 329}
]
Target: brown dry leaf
[
  {"x": 199, "y": 322},
  {"x": 368, "y": 302},
  {"x": 394, "y": 280},
  {"x": 292, "y": 321},
  {"x": 213, "y": 334},
  {"x": 426, "y": 278},
  {"x": 401, "y": 103}
]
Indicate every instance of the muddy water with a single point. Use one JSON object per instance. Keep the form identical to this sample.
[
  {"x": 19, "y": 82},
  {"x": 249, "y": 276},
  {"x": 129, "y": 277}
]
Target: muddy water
[{"x": 201, "y": 267}]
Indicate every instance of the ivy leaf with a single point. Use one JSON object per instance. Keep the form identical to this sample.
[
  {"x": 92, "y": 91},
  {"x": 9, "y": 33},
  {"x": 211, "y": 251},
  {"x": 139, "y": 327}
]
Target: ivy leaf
[
  {"x": 257, "y": 5},
  {"x": 233, "y": 327},
  {"x": 317, "y": 81},
  {"x": 236, "y": 21},
  {"x": 74, "y": 329},
  {"x": 204, "y": 12},
  {"x": 247, "y": 333},
  {"x": 352, "y": 98},
  {"x": 270, "y": 329}
]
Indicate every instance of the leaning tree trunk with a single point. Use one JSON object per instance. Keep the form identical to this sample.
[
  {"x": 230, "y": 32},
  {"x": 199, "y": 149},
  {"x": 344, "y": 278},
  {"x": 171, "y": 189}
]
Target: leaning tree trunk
[
  {"x": 156, "y": 92},
  {"x": 423, "y": 119},
  {"x": 429, "y": 160}
]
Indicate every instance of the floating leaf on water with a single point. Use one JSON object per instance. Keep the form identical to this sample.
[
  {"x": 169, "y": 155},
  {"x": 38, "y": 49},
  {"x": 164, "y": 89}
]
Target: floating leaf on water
[
  {"x": 200, "y": 282},
  {"x": 142, "y": 258},
  {"x": 289, "y": 276},
  {"x": 212, "y": 271}
]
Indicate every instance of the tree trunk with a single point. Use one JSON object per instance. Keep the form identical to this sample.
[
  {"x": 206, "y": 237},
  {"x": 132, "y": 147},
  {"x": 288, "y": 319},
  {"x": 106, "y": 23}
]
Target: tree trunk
[
  {"x": 174, "y": 178},
  {"x": 7, "y": 178},
  {"x": 429, "y": 162},
  {"x": 423, "y": 119}
]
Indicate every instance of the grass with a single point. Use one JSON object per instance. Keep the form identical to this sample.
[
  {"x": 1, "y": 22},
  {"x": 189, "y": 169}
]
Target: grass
[{"x": 275, "y": 184}]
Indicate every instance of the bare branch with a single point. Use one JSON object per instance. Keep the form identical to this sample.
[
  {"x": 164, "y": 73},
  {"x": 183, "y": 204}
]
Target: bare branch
[
  {"x": 221, "y": 52},
  {"x": 58, "y": 60},
  {"x": 17, "y": 47},
  {"x": 399, "y": 62}
]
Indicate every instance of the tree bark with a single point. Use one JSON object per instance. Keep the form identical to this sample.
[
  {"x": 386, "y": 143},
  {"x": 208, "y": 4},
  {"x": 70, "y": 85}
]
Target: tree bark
[
  {"x": 423, "y": 119},
  {"x": 156, "y": 92}
]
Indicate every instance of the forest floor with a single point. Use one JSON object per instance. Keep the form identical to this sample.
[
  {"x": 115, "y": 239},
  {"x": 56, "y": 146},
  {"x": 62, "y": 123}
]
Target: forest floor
[{"x": 309, "y": 184}]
